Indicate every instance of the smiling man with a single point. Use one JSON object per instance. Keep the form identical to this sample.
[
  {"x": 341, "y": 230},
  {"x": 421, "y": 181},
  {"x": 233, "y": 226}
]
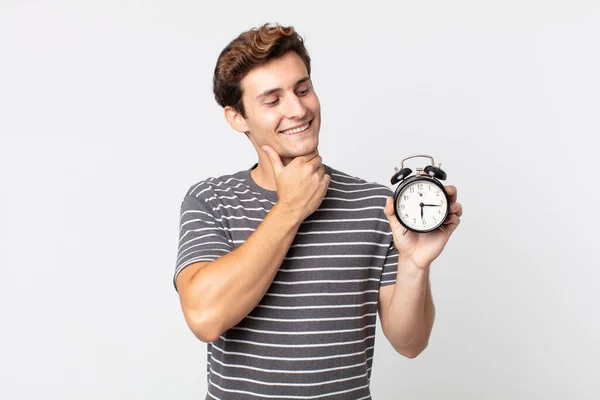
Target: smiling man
[{"x": 282, "y": 268}]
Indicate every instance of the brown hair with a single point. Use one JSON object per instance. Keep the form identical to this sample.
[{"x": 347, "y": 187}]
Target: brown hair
[{"x": 251, "y": 49}]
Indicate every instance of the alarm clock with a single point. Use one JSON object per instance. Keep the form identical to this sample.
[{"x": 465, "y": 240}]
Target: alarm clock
[{"x": 421, "y": 203}]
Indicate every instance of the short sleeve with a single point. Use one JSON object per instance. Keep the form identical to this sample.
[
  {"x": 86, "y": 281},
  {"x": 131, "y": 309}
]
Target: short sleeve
[
  {"x": 390, "y": 266},
  {"x": 201, "y": 235}
]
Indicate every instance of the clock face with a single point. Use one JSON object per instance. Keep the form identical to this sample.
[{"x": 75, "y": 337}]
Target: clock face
[{"x": 434, "y": 207}]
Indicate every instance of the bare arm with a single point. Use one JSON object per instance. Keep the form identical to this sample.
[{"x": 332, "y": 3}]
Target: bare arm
[
  {"x": 407, "y": 311},
  {"x": 217, "y": 295}
]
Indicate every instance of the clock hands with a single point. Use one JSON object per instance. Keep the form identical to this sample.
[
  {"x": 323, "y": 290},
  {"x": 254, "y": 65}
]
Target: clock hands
[{"x": 427, "y": 205}]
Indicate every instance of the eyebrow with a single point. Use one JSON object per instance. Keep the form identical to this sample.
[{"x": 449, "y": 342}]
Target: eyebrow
[{"x": 271, "y": 91}]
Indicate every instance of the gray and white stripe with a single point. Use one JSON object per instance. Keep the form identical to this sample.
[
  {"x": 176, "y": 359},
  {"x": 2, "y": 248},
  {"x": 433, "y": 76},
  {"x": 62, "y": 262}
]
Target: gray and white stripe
[{"x": 312, "y": 335}]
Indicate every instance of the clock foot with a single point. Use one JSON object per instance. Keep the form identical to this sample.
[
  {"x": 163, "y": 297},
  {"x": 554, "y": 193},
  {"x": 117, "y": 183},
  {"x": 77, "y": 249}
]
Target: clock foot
[{"x": 404, "y": 233}]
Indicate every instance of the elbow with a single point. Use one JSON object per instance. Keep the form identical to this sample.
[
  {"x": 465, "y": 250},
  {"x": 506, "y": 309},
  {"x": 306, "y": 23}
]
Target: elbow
[
  {"x": 412, "y": 352},
  {"x": 408, "y": 350},
  {"x": 204, "y": 328}
]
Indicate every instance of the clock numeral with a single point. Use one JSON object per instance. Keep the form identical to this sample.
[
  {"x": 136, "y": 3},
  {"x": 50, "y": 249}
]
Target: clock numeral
[
  {"x": 406, "y": 215},
  {"x": 429, "y": 187},
  {"x": 440, "y": 212},
  {"x": 424, "y": 222},
  {"x": 434, "y": 220},
  {"x": 420, "y": 186},
  {"x": 402, "y": 206},
  {"x": 405, "y": 197},
  {"x": 412, "y": 189},
  {"x": 437, "y": 193}
]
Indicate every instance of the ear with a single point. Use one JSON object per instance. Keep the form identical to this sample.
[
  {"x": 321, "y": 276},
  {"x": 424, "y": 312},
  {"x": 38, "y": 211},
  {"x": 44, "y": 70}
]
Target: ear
[{"x": 235, "y": 119}]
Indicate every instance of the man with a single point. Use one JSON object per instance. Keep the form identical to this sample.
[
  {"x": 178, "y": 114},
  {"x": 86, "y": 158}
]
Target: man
[{"x": 283, "y": 267}]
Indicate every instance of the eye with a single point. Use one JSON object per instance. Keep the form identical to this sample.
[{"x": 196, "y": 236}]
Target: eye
[
  {"x": 303, "y": 92},
  {"x": 272, "y": 103}
]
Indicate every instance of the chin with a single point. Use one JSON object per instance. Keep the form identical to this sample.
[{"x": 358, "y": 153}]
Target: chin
[{"x": 293, "y": 153}]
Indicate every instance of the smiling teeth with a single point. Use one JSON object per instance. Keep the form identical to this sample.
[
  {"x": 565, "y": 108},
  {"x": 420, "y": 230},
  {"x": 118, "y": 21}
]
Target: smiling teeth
[{"x": 296, "y": 130}]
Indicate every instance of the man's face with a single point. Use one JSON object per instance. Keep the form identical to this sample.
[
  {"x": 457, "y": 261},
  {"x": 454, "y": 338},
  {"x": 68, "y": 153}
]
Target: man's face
[{"x": 278, "y": 96}]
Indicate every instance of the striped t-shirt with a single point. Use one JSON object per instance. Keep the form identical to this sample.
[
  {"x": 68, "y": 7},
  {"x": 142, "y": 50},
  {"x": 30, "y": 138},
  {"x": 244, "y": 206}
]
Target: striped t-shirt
[{"x": 312, "y": 335}]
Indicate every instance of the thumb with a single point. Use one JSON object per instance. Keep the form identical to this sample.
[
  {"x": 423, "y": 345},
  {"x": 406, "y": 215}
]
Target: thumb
[
  {"x": 274, "y": 158},
  {"x": 388, "y": 210}
]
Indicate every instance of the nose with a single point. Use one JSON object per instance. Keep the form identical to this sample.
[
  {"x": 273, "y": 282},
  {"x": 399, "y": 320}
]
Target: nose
[{"x": 294, "y": 108}]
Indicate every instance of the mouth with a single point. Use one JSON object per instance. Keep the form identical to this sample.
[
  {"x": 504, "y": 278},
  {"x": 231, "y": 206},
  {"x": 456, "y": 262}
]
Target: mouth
[{"x": 297, "y": 130}]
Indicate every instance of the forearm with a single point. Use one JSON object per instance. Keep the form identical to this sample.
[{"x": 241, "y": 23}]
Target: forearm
[
  {"x": 411, "y": 311},
  {"x": 227, "y": 289}
]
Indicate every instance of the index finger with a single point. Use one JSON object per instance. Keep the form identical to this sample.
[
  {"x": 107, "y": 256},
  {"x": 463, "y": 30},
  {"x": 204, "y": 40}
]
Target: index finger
[{"x": 452, "y": 193}]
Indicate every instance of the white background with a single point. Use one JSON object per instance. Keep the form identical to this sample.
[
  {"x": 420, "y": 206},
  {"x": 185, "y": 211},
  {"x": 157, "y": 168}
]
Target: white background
[{"x": 107, "y": 117}]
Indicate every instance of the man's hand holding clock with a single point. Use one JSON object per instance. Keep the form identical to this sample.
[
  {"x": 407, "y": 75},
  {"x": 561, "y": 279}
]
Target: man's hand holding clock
[{"x": 422, "y": 248}]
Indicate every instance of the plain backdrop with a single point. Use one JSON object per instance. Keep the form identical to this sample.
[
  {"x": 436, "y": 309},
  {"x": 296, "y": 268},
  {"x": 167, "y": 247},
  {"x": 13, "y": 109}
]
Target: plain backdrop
[{"x": 107, "y": 118}]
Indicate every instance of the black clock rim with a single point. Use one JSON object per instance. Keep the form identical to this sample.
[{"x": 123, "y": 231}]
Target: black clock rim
[{"x": 426, "y": 178}]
